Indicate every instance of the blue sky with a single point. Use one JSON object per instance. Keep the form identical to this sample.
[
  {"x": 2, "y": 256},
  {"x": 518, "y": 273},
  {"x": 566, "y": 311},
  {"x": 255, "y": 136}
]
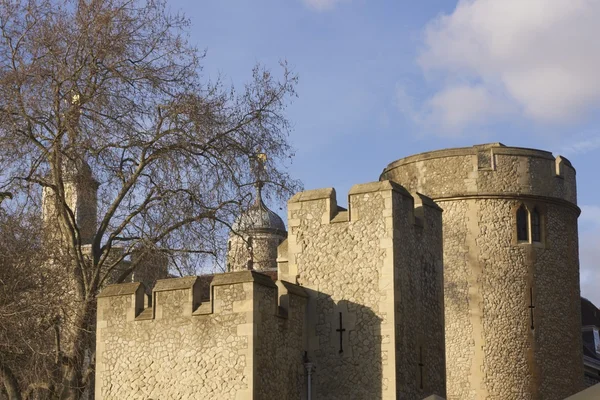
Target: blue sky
[{"x": 380, "y": 80}]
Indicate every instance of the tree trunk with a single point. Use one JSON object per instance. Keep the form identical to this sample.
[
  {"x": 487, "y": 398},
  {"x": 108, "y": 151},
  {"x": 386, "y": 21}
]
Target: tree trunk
[
  {"x": 77, "y": 346},
  {"x": 10, "y": 383}
]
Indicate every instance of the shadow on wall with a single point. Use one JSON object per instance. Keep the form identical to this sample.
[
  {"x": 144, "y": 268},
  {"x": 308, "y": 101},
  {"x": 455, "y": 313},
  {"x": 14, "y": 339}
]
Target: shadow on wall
[{"x": 344, "y": 344}]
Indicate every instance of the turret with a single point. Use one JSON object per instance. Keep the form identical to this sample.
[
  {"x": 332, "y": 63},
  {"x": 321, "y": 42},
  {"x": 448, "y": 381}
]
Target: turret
[
  {"x": 81, "y": 196},
  {"x": 511, "y": 271},
  {"x": 254, "y": 238}
]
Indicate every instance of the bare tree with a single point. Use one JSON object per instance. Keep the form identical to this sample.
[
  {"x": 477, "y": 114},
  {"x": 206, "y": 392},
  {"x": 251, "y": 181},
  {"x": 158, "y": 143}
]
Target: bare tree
[
  {"x": 28, "y": 357},
  {"x": 105, "y": 97}
]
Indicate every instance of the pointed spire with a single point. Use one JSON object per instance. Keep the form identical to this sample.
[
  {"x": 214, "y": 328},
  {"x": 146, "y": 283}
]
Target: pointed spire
[{"x": 258, "y": 200}]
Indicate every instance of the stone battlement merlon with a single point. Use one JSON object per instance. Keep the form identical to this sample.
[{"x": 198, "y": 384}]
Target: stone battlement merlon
[
  {"x": 197, "y": 331},
  {"x": 496, "y": 148},
  {"x": 486, "y": 170},
  {"x": 189, "y": 302},
  {"x": 357, "y": 266},
  {"x": 336, "y": 214}
]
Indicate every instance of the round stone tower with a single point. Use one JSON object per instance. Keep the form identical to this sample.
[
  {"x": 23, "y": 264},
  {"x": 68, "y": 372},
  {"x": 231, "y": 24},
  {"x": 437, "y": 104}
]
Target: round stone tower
[
  {"x": 511, "y": 268},
  {"x": 254, "y": 238}
]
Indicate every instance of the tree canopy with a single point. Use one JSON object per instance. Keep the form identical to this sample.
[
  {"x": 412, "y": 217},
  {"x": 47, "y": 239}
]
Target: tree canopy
[{"x": 110, "y": 94}]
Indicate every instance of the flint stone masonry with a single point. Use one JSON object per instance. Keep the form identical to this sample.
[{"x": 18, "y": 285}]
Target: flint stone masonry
[
  {"x": 379, "y": 265},
  {"x": 254, "y": 238},
  {"x": 490, "y": 278},
  {"x": 182, "y": 348},
  {"x": 365, "y": 309},
  {"x": 258, "y": 253},
  {"x": 392, "y": 298}
]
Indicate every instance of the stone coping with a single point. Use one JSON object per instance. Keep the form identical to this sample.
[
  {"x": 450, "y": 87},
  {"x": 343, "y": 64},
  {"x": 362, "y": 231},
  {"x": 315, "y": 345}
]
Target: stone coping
[
  {"x": 498, "y": 148},
  {"x": 566, "y": 161},
  {"x": 341, "y": 216},
  {"x": 294, "y": 289},
  {"x": 196, "y": 306},
  {"x": 591, "y": 393},
  {"x": 242, "y": 277},
  {"x": 377, "y": 187},
  {"x": 188, "y": 282},
  {"x": 121, "y": 289},
  {"x": 315, "y": 194},
  {"x": 329, "y": 193},
  {"x": 427, "y": 201}
]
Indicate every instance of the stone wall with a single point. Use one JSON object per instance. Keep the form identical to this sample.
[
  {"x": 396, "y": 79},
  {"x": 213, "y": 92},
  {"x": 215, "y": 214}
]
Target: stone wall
[
  {"x": 493, "y": 283},
  {"x": 81, "y": 197},
  {"x": 419, "y": 300},
  {"x": 258, "y": 248},
  {"x": 491, "y": 169},
  {"x": 279, "y": 353},
  {"x": 186, "y": 347},
  {"x": 373, "y": 275}
]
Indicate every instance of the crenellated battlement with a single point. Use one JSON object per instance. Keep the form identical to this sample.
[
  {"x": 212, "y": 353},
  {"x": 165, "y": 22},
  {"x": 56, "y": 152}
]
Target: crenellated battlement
[
  {"x": 194, "y": 296},
  {"x": 198, "y": 337},
  {"x": 486, "y": 170},
  {"x": 376, "y": 209},
  {"x": 391, "y": 297},
  {"x": 357, "y": 265},
  {"x": 332, "y": 213}
]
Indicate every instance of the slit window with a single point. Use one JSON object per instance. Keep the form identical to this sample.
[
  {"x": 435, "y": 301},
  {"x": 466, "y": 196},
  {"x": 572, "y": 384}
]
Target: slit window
[
  {"x": 536, "y": 226},
  {"x": 522, "y": 234}
]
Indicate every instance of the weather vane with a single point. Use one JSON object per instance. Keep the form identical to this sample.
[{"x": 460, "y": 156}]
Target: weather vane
[
  {"x": 259, "y": 170},
  {"x": 259, "y": 167}
]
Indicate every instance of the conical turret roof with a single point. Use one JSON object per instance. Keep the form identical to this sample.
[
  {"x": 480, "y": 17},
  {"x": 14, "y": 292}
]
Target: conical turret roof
[{"x": 258, "y": 217}]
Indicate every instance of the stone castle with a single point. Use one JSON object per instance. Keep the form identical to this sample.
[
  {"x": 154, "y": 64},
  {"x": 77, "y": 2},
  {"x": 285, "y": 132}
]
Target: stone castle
[{"x": 455, "y": 275}]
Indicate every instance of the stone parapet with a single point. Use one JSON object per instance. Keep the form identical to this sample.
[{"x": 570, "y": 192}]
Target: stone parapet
[
  {"x": 190, "y": 289},
  {"x": 335, "y": 214},
  {"x": 181, "y": 345},
  {"x": 486, "y": 170},
  {"x": 413, "y": 211}
]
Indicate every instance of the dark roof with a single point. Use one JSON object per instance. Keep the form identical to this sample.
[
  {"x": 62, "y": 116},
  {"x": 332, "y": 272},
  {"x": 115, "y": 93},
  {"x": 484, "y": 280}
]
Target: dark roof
[
  {"x": 258, "y": 217},
  {"x": 589, "y": 351},
  {"x": 590, "y": 315}
]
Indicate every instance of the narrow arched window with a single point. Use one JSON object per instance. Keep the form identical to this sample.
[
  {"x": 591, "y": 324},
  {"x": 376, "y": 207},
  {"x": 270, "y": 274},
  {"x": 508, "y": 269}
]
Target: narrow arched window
[
  {"x": 522, "y": 234},
  {"x": 536, "y": 226}
]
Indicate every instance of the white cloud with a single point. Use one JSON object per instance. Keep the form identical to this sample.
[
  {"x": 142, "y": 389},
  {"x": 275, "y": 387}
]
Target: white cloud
[
  {"x": 455, "y": 107},
  {"x": 528, "y": 56},
  {"x": 322, "y": 5},
  {"x": 581, "y": 146}
]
